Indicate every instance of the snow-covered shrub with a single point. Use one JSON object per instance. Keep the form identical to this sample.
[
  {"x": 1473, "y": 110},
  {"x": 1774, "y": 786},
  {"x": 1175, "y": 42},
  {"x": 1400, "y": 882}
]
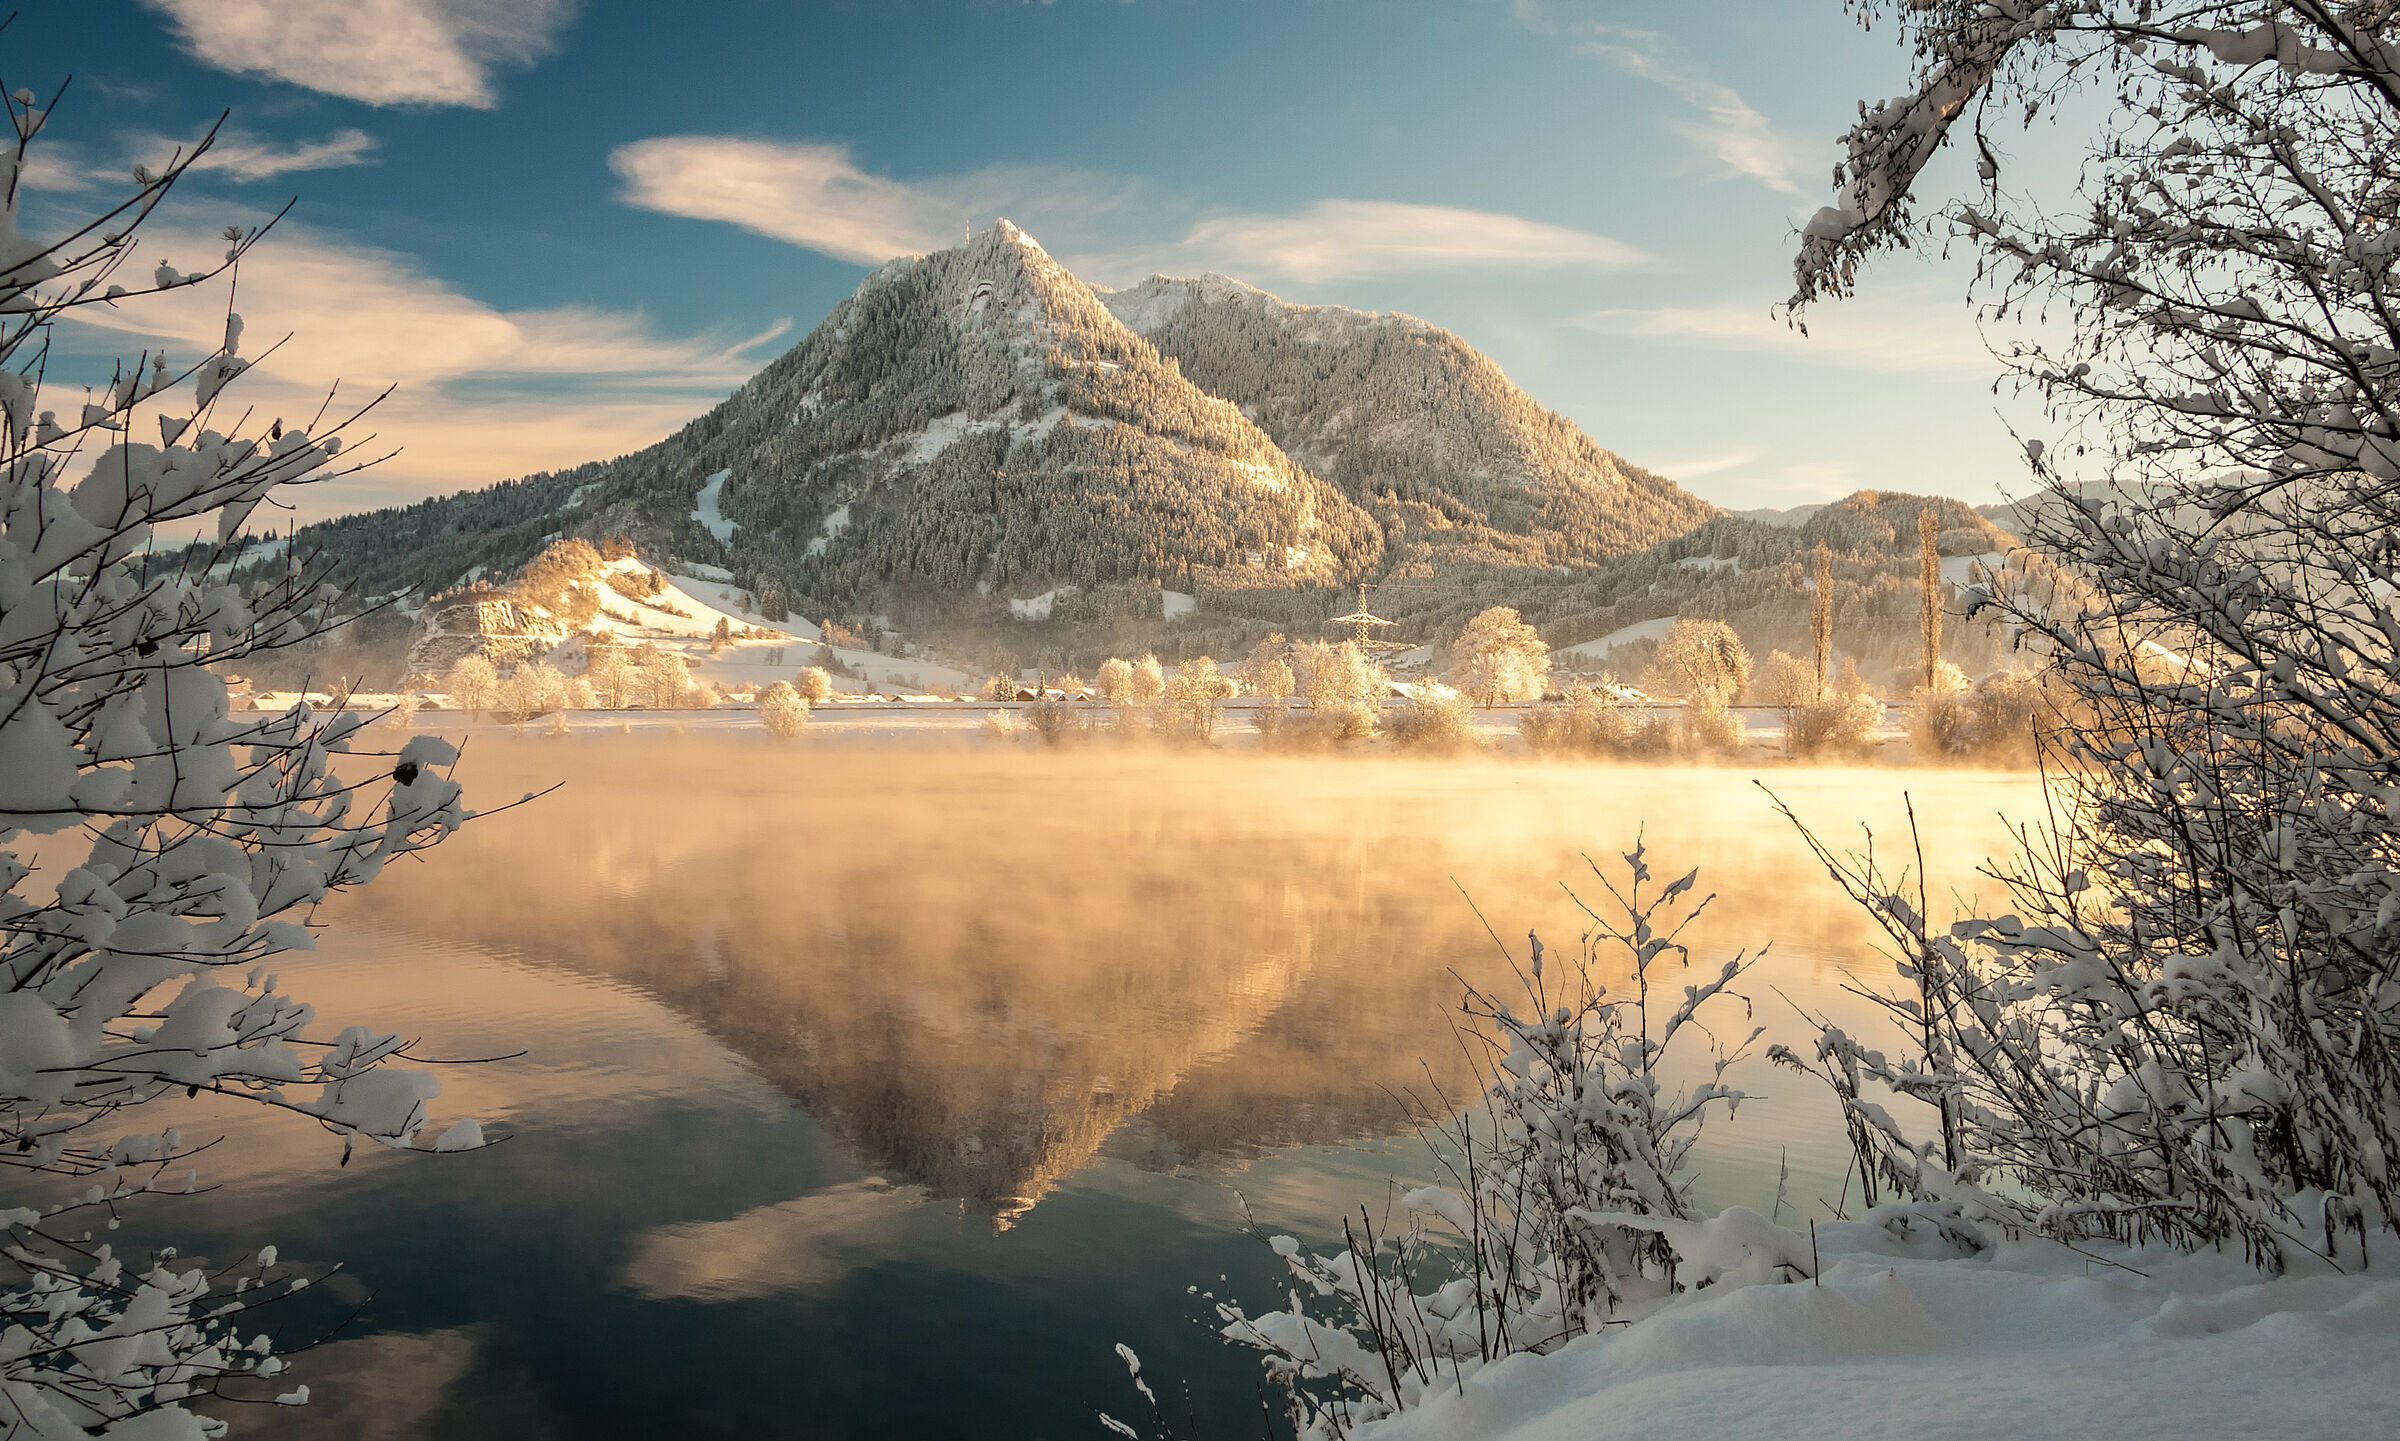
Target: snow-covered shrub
[
  {"x": 1056, "y": 721},
  {"x": 1188, "y": 706},
  {"x": 1708, "y": 725},
  {"x": 1587, "y": 720},
  {"x": 782, "y": 711},
  {"x": 1842, "y": 722},
  {"x": 2188, "y": 1027},
  {"x": 1570, "y": 1202},
  {"x": 188, "y": 843},
  {"x": 1320, "y": 726},
  {"x": 814, "y": 685},
  {"x": 1998, "y": 719},
  {"x": 1427, "y": 719}
]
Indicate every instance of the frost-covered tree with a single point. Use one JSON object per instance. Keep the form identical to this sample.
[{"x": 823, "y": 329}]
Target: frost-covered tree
[
  {"x": 1188, "y": 707},
  {"x": 1149, "y": 680},
  {"x": 183, "y": 845},
  {"x": 662, "y": 678},
  {"x": 1703, "y": 657},
  {"x": 814, "y": 685},
  {"x": 1265, "y": 673},
  {"x": 1499, "y": 658},
  {"x": 2186, "y": 1028},
  {"x": 472, "y": 684},
  {"x": 610, "y": 672},
  {"x": 1787, "y": 683},
  {"x": 782, "y": 710}
]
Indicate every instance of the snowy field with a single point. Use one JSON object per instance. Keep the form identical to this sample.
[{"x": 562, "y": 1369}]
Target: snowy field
[{"x": 2034, "y": 1342}]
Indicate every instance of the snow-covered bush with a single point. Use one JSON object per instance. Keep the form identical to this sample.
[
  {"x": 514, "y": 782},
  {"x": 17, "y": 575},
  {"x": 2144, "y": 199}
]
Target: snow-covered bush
[
  {"x": 1708, "y": 725},
  {"x": 2189, "y": 1027},
  {"x": 1055, "y": 721},
  {"x": 2000, "y": 719},
  {"x": 1431, "y": 718},
  {"x": 782, "y": 711},
  {"x": 814, "y": 685},
  {"x": 182, "y": 845},
  {"x": 1570, "y": 1201},
  {"x": 1840, "y": 722},
  {"x": 1587, "y": 720}
]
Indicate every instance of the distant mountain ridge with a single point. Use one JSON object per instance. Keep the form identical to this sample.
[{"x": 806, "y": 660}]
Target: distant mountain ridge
[
  {"x": 977, "y": 426},
  {"x": 1412, "y": 423}
]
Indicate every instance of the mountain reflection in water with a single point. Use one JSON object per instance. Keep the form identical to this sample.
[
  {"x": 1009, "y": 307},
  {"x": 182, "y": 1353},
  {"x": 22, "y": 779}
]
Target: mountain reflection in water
[
  {"x": 977, "y": 968},
  {"x": 881, "y": 1093}
]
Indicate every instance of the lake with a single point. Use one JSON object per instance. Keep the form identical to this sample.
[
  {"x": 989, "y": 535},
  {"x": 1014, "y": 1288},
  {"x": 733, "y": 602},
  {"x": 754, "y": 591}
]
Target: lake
[{"x": 879, "y": 1093}]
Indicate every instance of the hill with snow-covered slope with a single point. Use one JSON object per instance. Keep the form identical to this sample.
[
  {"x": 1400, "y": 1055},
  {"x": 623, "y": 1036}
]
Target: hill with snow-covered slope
[
  {"x": 1758, "y": 575},
  {"x": 974, "y": 448},
  {"x": 970, "y": 426},
  {"x": 1455, "y": 462},
  {"x": 717, "y": 628}
]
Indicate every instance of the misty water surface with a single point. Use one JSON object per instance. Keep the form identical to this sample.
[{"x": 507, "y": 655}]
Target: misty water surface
[{"x": 879, "y": 1093}]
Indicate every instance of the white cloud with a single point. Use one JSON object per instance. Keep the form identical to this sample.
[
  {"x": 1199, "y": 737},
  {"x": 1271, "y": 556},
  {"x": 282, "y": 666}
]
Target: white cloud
[
  {"x": 816, "y": 197},
  {"x": 483, "y": 394},
  {"x": 384, "y": 52},
  {"x": 1899, "y": 328},
  {"x": 1722, "y": 125},
  {"x": 1349, "y": 239},
  {"x": 810, "y": 195}
]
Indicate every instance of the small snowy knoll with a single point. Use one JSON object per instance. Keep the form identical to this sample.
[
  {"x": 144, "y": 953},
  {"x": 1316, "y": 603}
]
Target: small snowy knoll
[{"x": 2025, "y": 1344}]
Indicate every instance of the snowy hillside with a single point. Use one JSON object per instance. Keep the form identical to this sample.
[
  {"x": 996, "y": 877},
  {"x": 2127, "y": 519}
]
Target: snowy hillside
[
  {"x": 716, "y": 627},
  {"x": 976, "y": 427},
  {"x": 1456, "y": 463}
]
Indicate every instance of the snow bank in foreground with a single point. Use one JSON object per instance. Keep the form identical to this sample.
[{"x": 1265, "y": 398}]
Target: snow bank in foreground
[{"x": 2025, "y": 1345}]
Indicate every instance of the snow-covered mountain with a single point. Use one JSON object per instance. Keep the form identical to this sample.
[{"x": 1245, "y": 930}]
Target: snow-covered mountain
[
  {"x": 977, "y": 447},
  {"x": 1453, "y": 460}
]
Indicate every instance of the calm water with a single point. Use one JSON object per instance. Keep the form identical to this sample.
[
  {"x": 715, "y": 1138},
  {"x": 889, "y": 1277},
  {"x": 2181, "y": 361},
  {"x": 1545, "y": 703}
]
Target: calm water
[{"x": 877, "y": 1094}]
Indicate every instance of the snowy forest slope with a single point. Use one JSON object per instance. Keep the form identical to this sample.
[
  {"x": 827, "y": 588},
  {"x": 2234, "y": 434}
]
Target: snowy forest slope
[{"x": 976, "y": 427}]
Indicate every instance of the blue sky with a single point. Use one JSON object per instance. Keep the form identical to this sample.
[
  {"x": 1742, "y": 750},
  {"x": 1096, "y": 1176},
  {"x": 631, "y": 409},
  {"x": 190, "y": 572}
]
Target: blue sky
[{"x": 562, "y": 229}]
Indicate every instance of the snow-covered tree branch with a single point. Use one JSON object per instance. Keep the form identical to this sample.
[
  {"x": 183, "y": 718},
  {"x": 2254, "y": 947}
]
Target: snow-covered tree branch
[
  {"x": 161, "y": 849},
  {"x": 2192, "y": 1031}
]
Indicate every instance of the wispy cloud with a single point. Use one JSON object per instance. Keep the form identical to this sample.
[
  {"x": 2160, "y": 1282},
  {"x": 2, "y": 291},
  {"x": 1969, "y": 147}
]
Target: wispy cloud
[
  {"x": 484, "y": 394},
  {"x": 1714, "y": 463},
  {"x": 810, "y": 195},
  {"x": 244, "y": 156},
  {"x": 816, "y": 196},
  {"x": 1718, "y": 122},
  {"x": 384, "y": 52},
  {"x": 1899, "y": 328},
  {"x": 1353, "y": 239}
]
